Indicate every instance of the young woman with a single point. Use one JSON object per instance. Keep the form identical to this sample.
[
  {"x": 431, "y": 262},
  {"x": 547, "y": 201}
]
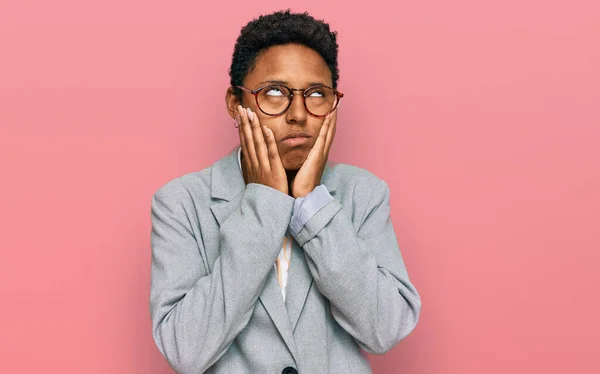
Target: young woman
[{"x": 271, "y": 260}]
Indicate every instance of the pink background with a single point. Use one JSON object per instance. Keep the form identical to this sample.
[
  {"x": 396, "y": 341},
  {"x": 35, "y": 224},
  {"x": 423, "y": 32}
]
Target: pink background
[{"x": 483, "y": 117}]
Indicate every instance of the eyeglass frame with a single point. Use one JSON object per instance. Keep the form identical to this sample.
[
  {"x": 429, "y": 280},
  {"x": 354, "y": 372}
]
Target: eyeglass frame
[{"x": 255, "y": 92}]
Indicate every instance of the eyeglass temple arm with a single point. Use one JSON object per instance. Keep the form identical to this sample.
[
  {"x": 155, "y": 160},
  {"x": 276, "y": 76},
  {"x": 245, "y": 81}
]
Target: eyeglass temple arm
[{"x": 246, "y": 89}]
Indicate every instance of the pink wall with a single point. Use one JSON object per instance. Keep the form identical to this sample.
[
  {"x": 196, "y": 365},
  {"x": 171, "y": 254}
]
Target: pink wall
[{"x": 483, "y": 118}]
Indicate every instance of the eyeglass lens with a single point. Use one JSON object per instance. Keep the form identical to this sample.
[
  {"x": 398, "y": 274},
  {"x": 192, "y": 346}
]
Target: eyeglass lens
[{"x": 275, "y": 99}]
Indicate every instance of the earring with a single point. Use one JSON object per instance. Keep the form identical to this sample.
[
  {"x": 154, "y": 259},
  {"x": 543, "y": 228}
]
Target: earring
[{"x": 236, "y": 124}]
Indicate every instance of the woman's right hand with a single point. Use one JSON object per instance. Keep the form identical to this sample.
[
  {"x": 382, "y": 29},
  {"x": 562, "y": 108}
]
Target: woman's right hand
[{"x": 261, "y": 161}]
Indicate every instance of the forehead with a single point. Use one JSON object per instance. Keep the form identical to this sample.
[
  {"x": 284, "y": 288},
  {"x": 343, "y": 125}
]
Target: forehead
[{"x": 296, "y": 65}]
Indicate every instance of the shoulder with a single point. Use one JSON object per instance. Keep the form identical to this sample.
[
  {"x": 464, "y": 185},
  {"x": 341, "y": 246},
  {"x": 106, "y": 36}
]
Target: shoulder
[
  {"x": 356, "y": 180},
  {"x": 362, "y": 193},
  {"x": 185, "y": 188}
]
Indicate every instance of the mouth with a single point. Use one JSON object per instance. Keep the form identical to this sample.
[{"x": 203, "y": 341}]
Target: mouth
[
  {"x": 296, "y": 138},
  {"x": 294, "y": 142}
]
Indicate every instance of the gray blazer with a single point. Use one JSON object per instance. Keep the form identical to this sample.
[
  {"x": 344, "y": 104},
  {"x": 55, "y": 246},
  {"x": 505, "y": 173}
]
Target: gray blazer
[{"x": 215, "y": 302}]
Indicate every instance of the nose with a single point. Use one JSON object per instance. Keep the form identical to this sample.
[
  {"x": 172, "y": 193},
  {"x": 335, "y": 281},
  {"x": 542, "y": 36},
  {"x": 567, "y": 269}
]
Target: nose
[{"x": 297, "y": 112}]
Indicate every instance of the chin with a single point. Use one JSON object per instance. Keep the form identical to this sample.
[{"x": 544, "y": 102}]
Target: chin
[
  {"x": 294, "y": 161},
  {"x": 292, "y": 167}
]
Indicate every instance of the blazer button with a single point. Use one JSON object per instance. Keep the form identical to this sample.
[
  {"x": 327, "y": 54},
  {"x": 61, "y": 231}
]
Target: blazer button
[{"x": 289, "y": 370}]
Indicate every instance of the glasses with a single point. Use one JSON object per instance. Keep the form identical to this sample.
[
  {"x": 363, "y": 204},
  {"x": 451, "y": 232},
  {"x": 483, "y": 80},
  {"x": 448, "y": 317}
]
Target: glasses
[{"x": 276, "y": 99}]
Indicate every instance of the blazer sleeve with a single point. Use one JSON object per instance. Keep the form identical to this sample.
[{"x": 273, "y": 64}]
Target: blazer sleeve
[
  {"x": 362, "y": 272},
  {"x": 196, "y": 315}
]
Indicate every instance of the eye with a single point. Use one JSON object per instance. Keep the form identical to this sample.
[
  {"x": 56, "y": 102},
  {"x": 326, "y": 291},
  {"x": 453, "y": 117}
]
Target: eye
[
  {"x": 274, "y": 91},
  {"x": 317, "y": 93}
]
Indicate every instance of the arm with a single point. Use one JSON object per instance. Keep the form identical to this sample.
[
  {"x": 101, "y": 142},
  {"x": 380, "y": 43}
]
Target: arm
[
  {"x": 195, "y": 315},
  {"x": 361, "y": 272}
]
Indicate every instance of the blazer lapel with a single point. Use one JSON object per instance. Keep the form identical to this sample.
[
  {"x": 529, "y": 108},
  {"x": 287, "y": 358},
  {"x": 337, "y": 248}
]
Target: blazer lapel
[
  {"x": 300, "y": 281},
  {"x": 226, "y": 185},
  {"x": 272, "y": 300}
]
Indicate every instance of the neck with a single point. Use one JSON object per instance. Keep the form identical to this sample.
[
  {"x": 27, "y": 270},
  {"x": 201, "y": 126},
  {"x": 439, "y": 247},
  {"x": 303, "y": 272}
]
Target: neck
[{"x": 291, "y": 175}]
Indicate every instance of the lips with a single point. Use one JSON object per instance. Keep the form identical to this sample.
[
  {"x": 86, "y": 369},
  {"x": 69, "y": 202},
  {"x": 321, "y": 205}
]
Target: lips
[
  {"x": 295, "y": 142},
  {"x": 296, "y": 134},
  {"x": 295, "y": 139}
]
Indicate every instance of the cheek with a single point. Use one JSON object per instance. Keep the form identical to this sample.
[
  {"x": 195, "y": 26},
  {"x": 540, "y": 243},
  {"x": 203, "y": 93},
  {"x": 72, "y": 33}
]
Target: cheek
[
  {"x": 273, "y": 124},
  {"x": 318, "y": 124}
]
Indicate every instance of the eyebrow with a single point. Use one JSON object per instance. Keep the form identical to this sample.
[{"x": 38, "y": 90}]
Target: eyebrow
[{"x": 286, "y": 83}]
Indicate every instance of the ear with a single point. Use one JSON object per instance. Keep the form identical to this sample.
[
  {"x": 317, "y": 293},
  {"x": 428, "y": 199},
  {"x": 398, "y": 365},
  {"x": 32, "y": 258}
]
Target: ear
[{"x": 231, "y": 102}]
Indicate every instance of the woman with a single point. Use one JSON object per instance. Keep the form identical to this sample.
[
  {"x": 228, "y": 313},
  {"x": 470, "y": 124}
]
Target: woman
[{"x": 270, "y": 260}]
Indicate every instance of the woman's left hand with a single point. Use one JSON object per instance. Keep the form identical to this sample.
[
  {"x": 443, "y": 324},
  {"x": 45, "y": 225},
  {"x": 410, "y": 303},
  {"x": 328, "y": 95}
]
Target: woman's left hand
[{"x": 309, "y": 175}]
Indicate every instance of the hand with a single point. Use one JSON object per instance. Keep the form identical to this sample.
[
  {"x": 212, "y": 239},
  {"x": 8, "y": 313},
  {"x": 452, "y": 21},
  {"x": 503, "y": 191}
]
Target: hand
[
  {"x": 309, "y": 175},
  {"x": 261, "y": 161}
]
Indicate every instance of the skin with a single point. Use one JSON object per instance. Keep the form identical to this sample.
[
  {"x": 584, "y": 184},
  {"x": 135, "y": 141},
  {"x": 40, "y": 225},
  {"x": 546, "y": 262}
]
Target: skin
[{"x": 265, "y": 158}]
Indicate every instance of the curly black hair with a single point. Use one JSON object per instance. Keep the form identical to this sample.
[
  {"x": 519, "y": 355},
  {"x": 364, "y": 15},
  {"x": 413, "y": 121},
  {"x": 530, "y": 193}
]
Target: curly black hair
[{"x": 281, "y": 28}]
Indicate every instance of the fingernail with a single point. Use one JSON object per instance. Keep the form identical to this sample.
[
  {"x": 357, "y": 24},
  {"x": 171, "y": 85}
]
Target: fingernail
[{"x": 249, "y": 113}]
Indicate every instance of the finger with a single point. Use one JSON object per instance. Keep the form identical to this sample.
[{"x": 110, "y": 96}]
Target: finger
[
  {"x": 259, "y": 141},
  {"x": 274, "y": 157},
  {"x": 320, "y": 143},
  {"x": 252, "y": 159},
  {"x": 330, "y": 132},
  {"x": 245, "y": 157},
  {"x": 240, "y": 128},
  {"x": 241, "y": 133}
]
